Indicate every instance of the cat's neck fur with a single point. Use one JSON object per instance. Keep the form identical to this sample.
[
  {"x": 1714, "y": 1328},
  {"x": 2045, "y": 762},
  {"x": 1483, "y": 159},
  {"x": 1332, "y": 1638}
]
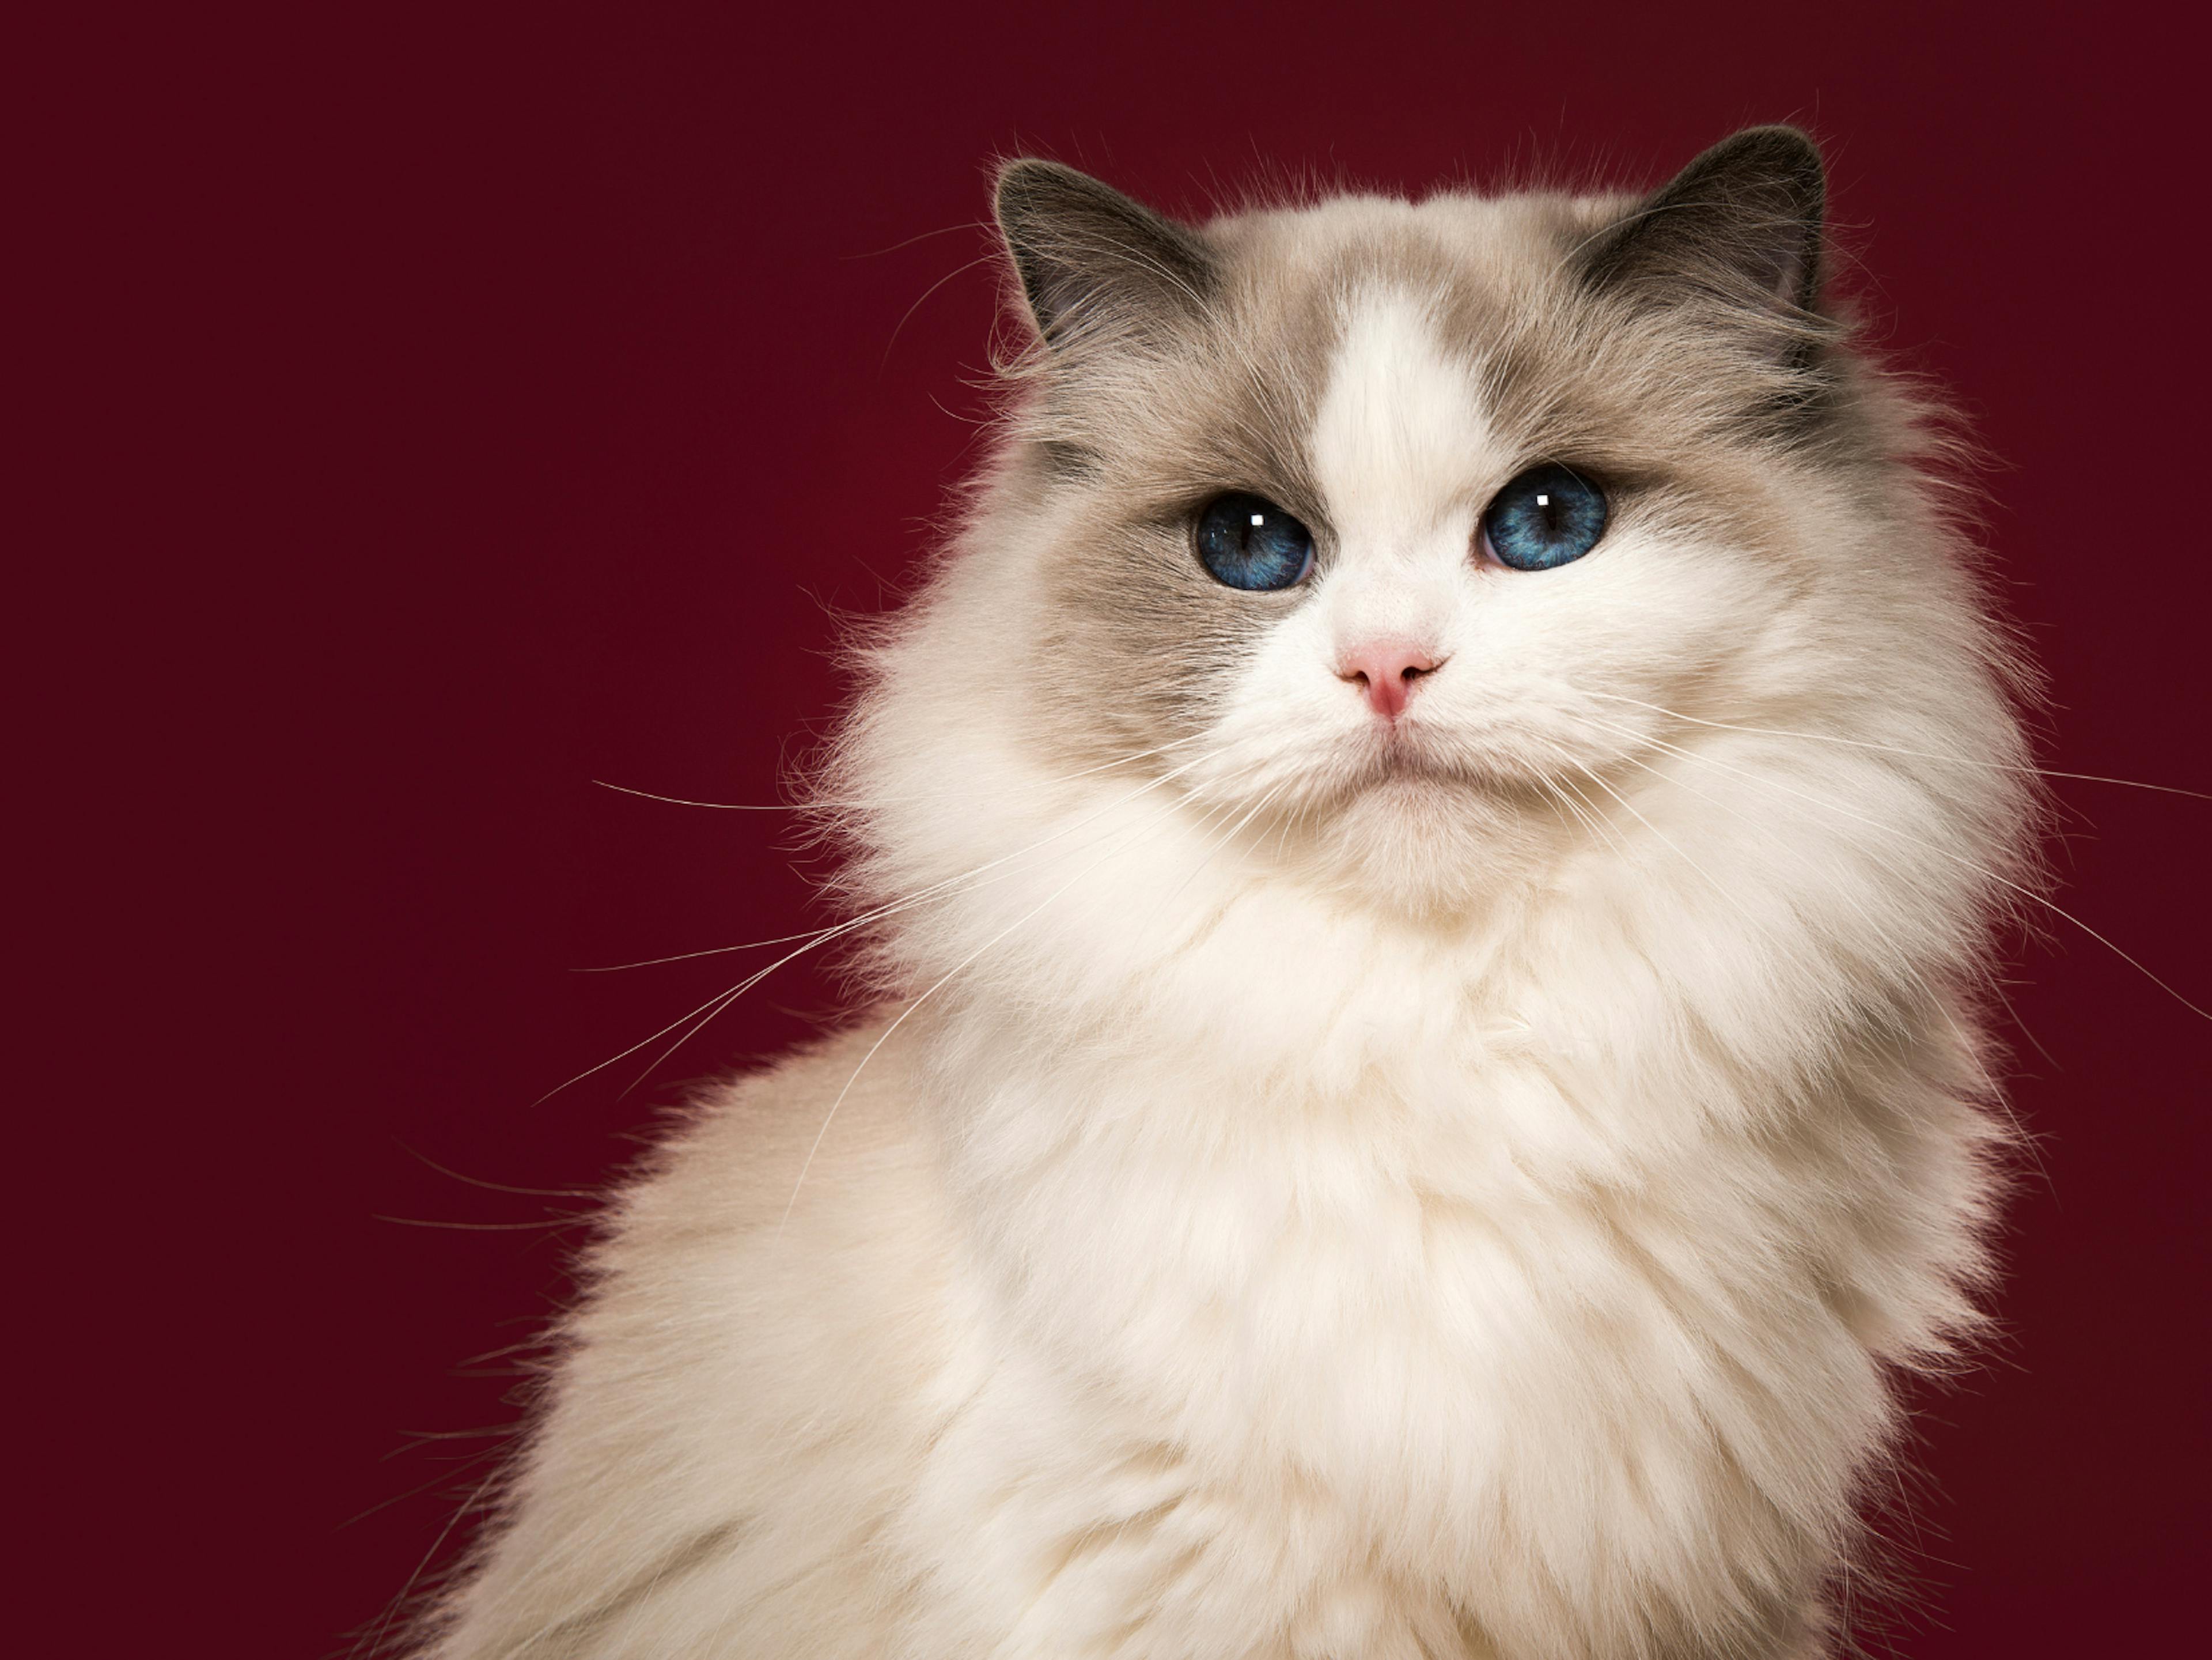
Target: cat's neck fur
[{"x": 1310, "y": 1189}]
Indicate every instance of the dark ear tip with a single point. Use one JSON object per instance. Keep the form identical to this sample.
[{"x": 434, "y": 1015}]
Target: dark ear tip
[
  {"x": 1776, "y": 138},
  {"x": 1779, "y": 151},
  {"x": 1028, "y": 182},
  {"x": 1744, "y": 218},
  {"x": 1081, "y": 248}
]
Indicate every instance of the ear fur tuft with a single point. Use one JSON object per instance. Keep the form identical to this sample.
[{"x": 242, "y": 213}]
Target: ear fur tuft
[
  {"x": 1090, "y": 259},
  {"x": 1740, "y": 225}
]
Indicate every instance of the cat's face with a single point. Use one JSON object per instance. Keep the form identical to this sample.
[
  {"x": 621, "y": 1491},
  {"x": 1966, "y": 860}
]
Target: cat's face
[{"x": 1400, "y": 522}]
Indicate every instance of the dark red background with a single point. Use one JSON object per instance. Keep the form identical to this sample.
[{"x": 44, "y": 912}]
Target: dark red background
[{"x": 456, "y": 408}]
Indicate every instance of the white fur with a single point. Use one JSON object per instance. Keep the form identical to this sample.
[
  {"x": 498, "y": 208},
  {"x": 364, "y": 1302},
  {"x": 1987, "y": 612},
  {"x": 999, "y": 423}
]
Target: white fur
[{"x": 1390, "y": 1218}]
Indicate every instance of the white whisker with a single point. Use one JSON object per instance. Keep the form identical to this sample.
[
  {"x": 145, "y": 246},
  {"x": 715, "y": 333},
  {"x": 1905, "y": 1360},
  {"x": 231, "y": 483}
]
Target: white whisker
[
  {"x": 894, "y": 801},
  {"x": 1894, "y": 749},
  {"x": 714, "y": 1005}
]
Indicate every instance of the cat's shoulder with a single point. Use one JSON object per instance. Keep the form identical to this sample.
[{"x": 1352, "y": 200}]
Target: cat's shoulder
[{"x": 828, "y": 1128}]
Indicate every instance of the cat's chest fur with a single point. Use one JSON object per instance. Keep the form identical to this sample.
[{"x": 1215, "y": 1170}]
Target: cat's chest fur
[{"x": 1426, "y": 1269}]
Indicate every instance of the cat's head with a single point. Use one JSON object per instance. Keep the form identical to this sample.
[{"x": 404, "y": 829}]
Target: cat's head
[{"x": 1392, "y": 528}]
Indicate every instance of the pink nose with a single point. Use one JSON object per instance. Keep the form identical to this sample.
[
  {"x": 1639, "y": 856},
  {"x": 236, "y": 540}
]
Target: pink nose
[{"x": 1385, "y": 670}]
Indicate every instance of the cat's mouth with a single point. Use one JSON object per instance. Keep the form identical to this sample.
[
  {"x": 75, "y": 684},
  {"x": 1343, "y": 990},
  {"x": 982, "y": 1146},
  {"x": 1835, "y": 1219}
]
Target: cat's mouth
[
  {"x": 1401, "y": 751},
  {"x": 1406, "y": 761},
  {"x": 1401, "y": 759}
]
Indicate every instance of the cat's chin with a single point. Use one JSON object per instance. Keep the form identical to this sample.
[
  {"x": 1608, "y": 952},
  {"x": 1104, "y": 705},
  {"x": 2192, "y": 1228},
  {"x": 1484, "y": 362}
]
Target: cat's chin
[{"x": 1419, "y": 841}]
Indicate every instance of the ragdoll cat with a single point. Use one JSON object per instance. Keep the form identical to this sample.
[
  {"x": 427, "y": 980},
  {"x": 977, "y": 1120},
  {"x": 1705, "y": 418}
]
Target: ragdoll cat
[{"x": 1428, "y": 854}]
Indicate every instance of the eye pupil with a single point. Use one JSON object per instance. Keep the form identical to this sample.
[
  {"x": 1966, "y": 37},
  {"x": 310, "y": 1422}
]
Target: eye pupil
[
  {"x": 1245, "y": 541},
  {"x": 1544, "y": 518}
]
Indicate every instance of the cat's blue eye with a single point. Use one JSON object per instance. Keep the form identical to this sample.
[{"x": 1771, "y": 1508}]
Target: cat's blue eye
[
  {"x": 1247, "y": 542},
  {"x": 1545, "y": 517}
]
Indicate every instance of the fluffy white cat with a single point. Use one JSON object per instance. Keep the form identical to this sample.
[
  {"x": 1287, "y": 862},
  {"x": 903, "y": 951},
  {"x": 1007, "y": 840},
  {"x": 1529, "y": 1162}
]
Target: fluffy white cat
[{"x": 1427, "y": 855}]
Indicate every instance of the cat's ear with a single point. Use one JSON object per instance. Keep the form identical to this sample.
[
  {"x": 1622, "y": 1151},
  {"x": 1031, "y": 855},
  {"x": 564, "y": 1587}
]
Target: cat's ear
[
  {"x": 1093, "y": 262},
  {"x": 1740, "y": 226}
]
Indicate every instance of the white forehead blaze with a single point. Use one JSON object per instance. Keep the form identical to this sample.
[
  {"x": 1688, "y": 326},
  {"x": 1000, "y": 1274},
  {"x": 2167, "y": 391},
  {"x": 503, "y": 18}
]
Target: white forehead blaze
[{"x": 1401, "y": 431}]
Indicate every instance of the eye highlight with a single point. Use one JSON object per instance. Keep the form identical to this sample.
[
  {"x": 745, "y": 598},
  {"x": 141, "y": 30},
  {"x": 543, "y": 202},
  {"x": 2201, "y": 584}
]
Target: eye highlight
[
  {"x": 1545, "y": 517},
  {"x": 1246, "y": 541}
]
